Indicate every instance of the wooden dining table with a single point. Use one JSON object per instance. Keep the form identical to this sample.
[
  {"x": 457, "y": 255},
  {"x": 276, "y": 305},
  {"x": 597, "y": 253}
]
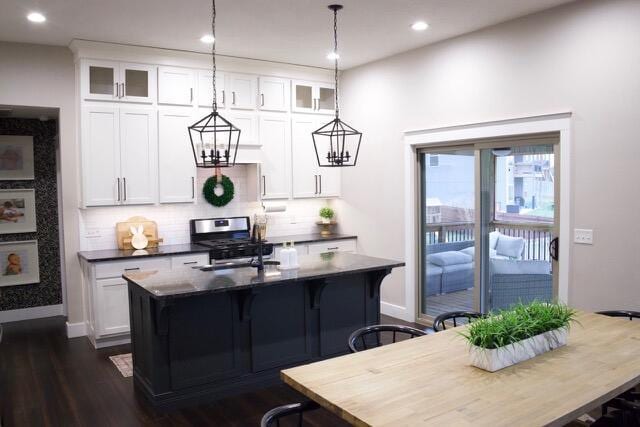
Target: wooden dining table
[{"x": 428, "y": 381}]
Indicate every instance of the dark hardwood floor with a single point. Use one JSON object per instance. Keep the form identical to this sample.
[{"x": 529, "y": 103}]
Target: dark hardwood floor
[{"x": 49, "y": 380}]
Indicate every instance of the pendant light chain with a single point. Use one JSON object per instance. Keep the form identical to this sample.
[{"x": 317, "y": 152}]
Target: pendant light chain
[
  {"x": 335, "y": 56},
  {"x": 214, "y": 104}
]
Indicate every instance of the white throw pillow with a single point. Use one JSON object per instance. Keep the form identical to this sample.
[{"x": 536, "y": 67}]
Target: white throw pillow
[
  {"x": 504, "y": 266},
  {"x": 510, "y": 246},
  {"x": 471, "y": 251},
  {"x": 493, "y": 239}
]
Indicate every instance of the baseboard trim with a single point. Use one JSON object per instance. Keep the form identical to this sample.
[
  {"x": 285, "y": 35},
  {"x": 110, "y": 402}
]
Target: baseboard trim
[
  {"x": 396, "y": 311},
  {"x": 75, "y": 330},
  {"x": 31, "y": 313}
]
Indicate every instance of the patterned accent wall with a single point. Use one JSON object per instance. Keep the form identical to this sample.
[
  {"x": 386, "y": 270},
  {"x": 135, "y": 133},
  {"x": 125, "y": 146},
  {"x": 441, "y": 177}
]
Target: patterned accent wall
[{"x": 49, "y": 290}]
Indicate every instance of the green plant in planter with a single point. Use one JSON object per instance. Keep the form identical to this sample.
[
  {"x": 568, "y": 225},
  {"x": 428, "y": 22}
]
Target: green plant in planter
[
  {"x": 518, "y": 323},
  {"x": 327, "y": 214}
]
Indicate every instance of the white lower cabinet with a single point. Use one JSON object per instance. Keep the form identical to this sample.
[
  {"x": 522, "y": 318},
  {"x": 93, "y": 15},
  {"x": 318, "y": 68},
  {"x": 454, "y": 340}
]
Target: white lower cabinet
[
  {"x": 108, "y": 297},
  {"x": 345, "y": 245},
  {"x": 113, "y": 306}
]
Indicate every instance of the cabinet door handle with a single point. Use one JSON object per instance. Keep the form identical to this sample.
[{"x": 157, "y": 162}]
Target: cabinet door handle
[
  {"x": 193, "y": 188},
  {"x": 122, "y": 92},
  {"x": 118, "y": 189},
  {"x": 233, "y": 98},
  {"x": 224, "y": 97},
  {"x": 333, "y": 249},
  {"x": 117, "y": 91},
  {"x": 314, "y": 105},
  {"x": 264, "y": 185},
  {"x": 316, "y": 178},
  {"x": 262, "y": 99},
  {"x": 124, "y": 189},
  {"x": 190, "y": 94},
  {"x": 132, "y": 269},
  {"x": 190, "y": 262},
  {"x": 320, "y": 192}
]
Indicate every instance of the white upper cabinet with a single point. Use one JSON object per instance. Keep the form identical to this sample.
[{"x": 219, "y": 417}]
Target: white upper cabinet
[
  {"x": 274, "y": 94},
  {"x": 100, "y": 155},
  {"x": 118, "y": 81},
  {"x": 138, "y": 155},
  {"x": 313, "y": 97},
  {"x": 275, "y": 137},
  {"x": 303, "y": 157},
  {"x": 247, "y": 122},
  {"x": 205, "y": 88},
  {"x": 308, "y": 179},
  {"x": 119, "y": 155},
  {"x": 175, "y": 157},
  {"x": 243, "y": 90},
  {"x": 176, "y": 86}
]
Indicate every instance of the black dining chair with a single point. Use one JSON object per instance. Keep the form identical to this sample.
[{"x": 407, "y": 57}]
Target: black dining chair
[
  {"x": 627, "y": 401},
  {"x": 439, "y": 323},
  {"x": 273, "y": 417},
  {"x": 621, "y": 313},
  {"x": 363, "y": 336}
]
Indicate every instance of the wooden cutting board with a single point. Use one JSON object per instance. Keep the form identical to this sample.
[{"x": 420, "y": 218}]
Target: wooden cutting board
[{"x": 123, "y": 232}]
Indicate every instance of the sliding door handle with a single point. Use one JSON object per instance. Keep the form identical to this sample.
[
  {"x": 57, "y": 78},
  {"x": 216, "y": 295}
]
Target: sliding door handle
[{"x": 554, "y": 248}]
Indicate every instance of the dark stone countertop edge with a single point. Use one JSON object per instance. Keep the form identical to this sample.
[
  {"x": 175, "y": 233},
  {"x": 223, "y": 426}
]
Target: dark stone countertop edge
[
  {"x": 308, "y": 238},
  {"x": 124, "y": 255},
  {"x": 391, "y": 265}
]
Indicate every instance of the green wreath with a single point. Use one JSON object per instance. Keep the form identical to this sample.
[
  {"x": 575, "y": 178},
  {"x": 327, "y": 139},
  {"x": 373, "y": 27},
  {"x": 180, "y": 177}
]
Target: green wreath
[{"x": 209, "y": 191}]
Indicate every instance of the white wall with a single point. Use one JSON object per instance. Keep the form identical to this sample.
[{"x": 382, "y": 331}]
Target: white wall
[
  {"x": 583, "y": 58},
  {"x": 43, "y": 76}
]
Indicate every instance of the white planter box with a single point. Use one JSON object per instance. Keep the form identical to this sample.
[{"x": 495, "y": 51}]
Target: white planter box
[{"x": 495, "y": 359}]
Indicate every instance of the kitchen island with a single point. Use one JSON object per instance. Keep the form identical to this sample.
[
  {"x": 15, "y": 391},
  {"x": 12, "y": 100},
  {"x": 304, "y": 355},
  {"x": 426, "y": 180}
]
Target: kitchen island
[{"x": 199, "y": 335}]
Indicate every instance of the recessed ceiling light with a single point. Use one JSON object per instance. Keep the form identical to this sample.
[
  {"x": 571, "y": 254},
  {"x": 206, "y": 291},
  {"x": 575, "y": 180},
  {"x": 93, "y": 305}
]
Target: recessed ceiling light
[
  {"x": 36, "y": 17},
  {"x": 208, "y": 38},
  {"x": 333, "y": 56},
  {"x": 420, "y": 26}
]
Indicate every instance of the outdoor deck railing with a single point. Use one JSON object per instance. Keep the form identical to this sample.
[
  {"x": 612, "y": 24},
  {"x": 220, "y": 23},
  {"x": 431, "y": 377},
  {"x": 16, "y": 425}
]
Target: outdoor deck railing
[{"x": 537, "y": 236}]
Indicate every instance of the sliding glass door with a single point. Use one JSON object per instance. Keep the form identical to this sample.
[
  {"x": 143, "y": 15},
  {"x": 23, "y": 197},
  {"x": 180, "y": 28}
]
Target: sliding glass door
[{"x": 489, "y": 221}]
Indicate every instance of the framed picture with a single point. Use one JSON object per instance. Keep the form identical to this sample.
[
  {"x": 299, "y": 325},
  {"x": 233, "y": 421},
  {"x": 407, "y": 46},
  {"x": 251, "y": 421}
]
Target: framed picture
[
  {"x": 17, "y": 211},
  {"x": 19, "y": 263},
  {"x": 16, "y": 157}
]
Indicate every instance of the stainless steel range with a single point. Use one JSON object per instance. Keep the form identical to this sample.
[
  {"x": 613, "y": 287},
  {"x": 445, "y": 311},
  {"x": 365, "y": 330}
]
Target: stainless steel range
[{"x": 229, "y": 239}]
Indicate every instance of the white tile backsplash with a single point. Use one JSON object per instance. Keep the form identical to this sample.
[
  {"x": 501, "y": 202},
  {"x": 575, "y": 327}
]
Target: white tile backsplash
[{"x": 97, "y": 224}]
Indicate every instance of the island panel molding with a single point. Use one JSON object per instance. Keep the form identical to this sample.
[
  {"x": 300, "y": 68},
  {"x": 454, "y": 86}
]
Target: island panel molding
[{"x": 200, "y": 335}]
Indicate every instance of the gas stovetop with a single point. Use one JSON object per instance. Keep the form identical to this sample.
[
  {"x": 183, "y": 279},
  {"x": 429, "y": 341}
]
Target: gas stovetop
[{"x": 227, "y": 238}]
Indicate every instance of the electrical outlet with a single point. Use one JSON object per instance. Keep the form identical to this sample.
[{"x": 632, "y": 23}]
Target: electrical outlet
[
  {"x": 292, "y": 220},
  {"x": 583, "y": 236},
  {"x": 92, "y": 233}
]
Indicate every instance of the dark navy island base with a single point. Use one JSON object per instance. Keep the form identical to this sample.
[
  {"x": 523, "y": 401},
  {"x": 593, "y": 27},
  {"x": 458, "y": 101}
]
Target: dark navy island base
[{"x": 200, "y": 335}]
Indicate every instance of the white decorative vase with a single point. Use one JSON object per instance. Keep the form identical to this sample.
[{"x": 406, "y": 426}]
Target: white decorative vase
[{"x": 495, "y": 359}]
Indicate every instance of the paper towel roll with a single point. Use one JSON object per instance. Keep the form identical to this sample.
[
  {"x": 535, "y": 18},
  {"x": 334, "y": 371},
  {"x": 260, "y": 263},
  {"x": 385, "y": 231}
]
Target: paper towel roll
[{"x": 274, "y": 208}]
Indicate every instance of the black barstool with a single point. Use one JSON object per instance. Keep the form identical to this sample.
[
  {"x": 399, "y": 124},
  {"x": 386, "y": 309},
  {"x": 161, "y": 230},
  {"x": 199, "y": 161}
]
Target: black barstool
[
  {"x": 439, "y": 322},
  {"x": 362, "y": 333},
  {"x": 276, "y": 414}
]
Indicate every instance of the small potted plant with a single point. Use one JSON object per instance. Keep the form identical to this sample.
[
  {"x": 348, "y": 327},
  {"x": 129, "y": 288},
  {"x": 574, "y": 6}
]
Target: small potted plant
[
  {"x": 521, "y": 333},
  {"x": 326, "y": 215}
]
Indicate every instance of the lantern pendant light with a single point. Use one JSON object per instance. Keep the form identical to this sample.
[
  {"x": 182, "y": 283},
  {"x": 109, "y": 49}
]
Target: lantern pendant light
[
  {"x": 337, "y": 144},
  {"x": 214, "y": 139}
]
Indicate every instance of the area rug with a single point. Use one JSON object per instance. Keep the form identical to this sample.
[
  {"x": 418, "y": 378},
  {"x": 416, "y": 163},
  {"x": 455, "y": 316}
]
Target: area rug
[{"x": 124, "y": 363}]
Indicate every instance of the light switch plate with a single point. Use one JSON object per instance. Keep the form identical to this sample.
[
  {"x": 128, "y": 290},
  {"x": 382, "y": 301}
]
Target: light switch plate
[
  {"x": 583, "y": 236},
  {"x": 92, "y": 232}
]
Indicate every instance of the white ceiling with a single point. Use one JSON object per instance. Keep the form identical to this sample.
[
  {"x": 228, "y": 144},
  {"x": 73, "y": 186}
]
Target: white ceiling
[{"x": 293, "y": 31}]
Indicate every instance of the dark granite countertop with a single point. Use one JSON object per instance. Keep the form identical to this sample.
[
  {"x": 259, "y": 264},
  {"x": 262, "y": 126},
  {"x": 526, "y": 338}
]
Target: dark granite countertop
[
  {"x": 185, "y": 282},
  {"x": 307, "y": 238},
  {"x": 162, "y": 250}
]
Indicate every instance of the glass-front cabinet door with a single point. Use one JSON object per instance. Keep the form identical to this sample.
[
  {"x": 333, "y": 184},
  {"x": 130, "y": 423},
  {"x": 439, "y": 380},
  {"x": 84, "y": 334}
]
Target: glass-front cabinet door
[
  {"x": 100, "y": 80},
  {"x": 137, "y": 83},
  {"x": 115, "y": 81},
  {"x": 313, "y": 97}
]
